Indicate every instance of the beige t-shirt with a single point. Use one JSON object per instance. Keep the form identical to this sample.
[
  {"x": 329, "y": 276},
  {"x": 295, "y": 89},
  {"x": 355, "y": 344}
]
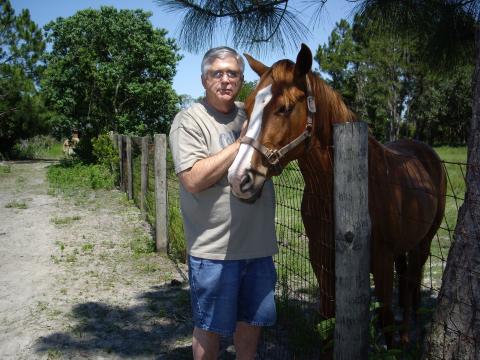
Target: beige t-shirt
[{"x": 218, "y": 225}]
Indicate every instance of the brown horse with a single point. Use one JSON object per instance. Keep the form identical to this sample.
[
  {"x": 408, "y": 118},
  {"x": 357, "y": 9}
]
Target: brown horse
[{"x": 291, "y": 113}]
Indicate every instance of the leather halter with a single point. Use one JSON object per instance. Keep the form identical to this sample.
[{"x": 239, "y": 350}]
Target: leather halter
[{"x": 273, "y": 156}]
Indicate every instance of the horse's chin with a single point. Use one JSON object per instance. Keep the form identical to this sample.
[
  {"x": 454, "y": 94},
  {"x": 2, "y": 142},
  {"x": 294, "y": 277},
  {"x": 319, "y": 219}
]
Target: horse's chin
[{"x": 250, "y": 196}]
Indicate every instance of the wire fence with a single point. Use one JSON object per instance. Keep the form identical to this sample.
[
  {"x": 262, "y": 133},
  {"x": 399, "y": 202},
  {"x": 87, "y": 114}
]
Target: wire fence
[{"x": 301, "y": 331}]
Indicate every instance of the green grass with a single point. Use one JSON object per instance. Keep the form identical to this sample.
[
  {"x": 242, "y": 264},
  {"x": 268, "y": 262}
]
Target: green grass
[
  {"x": 71, "y": 177},
  {"x": 455, "y": 159},
  {"x": 65, "y": 220},
  {"x": 5, "y": 169},
  {"x": 17, "y": 204},
  {"x": 142, "y": 244}
]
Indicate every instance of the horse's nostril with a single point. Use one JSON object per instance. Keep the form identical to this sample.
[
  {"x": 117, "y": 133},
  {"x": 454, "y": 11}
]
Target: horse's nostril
[{"x": 247, "y": 181}]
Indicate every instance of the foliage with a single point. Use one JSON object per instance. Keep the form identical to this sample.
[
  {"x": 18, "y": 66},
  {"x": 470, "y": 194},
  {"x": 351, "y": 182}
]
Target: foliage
[
  {"x": 71, "y": 176},
  {"x": 110, "y": 70},
  {"x": 104, "y": 152},
  {"x": 142, "y": 244},
  {"x": 22, "y": 113},
  {"x": 247, "y": 89},
  {"x": 253, "y": 25},
  {"x": 37, "y": 147},
  {"x": 380, "y": 78}
]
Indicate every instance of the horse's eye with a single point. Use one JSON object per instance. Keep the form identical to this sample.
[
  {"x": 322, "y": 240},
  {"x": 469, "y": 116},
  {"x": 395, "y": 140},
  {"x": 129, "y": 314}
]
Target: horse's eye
[{"x": 284, "y": 110}]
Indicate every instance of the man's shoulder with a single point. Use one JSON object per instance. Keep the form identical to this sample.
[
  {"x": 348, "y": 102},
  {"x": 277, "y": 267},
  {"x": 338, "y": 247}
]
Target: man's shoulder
[
  {"x": 187, "y": 117},
  {"x": 240, "y": 105}
]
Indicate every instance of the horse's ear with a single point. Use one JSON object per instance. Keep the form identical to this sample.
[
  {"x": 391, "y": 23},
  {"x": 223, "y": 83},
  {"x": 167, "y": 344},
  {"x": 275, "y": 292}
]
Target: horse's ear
[
  {"x": 256, "y": 65},
  {"x": 304, "y": 61}
]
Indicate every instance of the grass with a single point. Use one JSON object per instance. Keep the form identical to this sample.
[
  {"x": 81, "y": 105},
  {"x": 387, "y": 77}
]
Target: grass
[
  {"x": 72, "y": 177},
  {"x": 16, "y": 204},
  {"x": 5, "y": 169},
  {"x": 65, "y": 220},
  {"x": 38, "y": 147}
]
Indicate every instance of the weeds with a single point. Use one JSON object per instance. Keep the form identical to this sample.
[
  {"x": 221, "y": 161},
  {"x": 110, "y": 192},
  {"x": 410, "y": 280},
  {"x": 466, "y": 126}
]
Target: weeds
[
  {"x": 16, "y": 205},
  {"x": 71, "y": 177},
  {"x": 142, "y": 244},
  {"x": 65, "y": 220},
  {"x": 5, "y": 169}
]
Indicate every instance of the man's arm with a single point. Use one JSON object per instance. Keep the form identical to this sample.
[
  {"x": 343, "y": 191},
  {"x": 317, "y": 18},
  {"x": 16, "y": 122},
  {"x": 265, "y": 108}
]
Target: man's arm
[{"x": 206, "y": 172}]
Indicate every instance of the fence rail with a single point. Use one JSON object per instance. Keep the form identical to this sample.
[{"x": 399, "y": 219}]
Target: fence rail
[{"x": 147, "y": 176}]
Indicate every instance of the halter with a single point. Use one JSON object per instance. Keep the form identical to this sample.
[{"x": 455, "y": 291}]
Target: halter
[{"x": 273, "y": 156}]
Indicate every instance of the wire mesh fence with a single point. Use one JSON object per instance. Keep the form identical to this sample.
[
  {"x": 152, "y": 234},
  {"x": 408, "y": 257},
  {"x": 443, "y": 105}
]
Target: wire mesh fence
[{"x": 301, "y": 329}]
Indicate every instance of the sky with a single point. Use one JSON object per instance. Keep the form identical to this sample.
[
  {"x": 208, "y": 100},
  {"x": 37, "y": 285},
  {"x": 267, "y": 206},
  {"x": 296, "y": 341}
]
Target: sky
[{"x": 187, "y": 80}]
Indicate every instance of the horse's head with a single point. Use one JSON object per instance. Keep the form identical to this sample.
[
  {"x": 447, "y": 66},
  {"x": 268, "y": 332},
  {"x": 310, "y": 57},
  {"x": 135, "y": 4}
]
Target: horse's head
[{"x": 280, "y": 112}]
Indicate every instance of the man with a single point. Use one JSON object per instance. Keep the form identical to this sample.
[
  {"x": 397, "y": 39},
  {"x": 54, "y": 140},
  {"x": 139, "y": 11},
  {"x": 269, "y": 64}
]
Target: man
[{"x": 230, "y": 243}]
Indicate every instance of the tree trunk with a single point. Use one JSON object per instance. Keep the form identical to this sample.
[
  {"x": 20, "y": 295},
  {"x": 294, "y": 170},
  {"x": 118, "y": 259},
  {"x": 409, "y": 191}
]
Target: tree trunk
[{"x": 455, "y": 329}]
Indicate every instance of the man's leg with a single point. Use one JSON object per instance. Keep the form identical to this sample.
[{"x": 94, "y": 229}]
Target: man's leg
[
  {"x": 245, "y": 339},
  {"x": 205, "y": 344}
]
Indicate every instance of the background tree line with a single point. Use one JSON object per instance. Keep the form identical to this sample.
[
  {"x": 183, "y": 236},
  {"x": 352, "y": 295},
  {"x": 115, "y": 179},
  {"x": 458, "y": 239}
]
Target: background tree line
[
  {"x": 109, "y": 69},
  {"x": 381, "y": 78},
  {"x": 95, "y": 71}
]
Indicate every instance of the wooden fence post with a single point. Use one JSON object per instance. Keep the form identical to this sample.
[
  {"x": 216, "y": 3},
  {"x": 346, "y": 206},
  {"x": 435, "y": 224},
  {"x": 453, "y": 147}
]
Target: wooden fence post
[
  {"x": 120, "y": 159},
  {"x": 161, "y": 191},
  {"x": 352, "y": 241},
  {"x": 144, "y": 175},
  {"x": 129, "y": 170}
]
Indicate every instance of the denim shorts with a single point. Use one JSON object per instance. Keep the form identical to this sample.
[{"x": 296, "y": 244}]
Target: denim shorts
[{"x": 226, "y": 291}]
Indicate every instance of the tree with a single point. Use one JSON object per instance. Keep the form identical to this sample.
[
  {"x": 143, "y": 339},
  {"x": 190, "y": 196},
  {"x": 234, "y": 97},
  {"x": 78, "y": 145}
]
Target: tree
[
  {"x": 379, "y": 77},
  {"x": 21, "y": 108},
  {"x": 110, "y": 70},
  {"x": 448, "y": 30},
  {"x": 247, "y": 88}
]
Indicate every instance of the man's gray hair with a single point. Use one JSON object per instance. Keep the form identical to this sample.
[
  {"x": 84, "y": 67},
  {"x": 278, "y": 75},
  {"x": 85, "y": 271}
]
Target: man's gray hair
[{"x": 220, "y": 52}]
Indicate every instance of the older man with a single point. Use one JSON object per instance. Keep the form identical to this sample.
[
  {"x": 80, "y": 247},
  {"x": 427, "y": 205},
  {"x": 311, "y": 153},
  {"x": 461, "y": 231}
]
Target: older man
[{"x": 230, "y": 243}]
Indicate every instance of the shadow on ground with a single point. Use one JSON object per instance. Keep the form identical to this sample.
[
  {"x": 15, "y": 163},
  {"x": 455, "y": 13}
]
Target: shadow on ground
[{"x": 159, "y": 327}]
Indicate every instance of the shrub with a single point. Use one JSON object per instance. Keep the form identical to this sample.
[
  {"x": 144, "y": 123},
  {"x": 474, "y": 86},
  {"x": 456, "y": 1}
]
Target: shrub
[{"x": 105, "y": 153}]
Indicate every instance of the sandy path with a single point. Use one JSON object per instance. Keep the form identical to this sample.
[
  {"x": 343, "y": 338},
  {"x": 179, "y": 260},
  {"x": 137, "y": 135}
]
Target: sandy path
[{"x": 71, "y": 284}]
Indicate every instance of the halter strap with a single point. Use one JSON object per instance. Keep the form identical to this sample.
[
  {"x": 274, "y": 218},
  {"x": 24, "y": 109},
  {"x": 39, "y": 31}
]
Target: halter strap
[{"x": 273, "y": 156}]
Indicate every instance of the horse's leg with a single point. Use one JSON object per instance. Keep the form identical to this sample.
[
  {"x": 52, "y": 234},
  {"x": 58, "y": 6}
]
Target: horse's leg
[
  {"x": 416, "y": 259},
  {"x": 383, "y": 277},
  {"x": 322, "y": 259},
  {"x": 401, "y": 271}
]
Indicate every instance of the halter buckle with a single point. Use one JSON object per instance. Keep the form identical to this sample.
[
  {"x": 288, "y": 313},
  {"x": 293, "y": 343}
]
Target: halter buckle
[{"x": 273, "y": 157}]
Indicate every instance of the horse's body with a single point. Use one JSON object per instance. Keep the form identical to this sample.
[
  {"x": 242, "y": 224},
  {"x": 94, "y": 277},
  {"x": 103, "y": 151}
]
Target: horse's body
[{"x": 406, "y": 182}]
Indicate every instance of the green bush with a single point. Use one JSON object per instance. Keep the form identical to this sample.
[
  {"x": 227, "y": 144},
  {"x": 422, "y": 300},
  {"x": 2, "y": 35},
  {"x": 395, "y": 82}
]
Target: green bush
[{"x": 104, "y": 151}]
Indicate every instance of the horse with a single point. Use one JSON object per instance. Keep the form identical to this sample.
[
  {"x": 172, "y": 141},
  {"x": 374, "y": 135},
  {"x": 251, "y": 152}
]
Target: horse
[{"x": 291, "y": 114}]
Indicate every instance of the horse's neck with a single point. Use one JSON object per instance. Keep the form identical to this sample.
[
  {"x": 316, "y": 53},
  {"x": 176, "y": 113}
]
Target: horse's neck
[
  {"x": 317, "y": 164},
  {"x": 317, "y": 171}
]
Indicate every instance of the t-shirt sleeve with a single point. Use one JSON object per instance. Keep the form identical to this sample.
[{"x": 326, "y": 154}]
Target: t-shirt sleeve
[{"x": 187, "y": 142}]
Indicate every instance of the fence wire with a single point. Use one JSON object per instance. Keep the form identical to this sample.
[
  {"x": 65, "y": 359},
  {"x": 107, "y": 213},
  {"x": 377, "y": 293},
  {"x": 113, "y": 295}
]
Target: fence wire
[{"x": 301, "y": 329}]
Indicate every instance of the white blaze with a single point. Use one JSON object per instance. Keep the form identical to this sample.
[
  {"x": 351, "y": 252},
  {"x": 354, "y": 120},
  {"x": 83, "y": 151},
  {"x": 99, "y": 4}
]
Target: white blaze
[{"x": 242, "y": 161}]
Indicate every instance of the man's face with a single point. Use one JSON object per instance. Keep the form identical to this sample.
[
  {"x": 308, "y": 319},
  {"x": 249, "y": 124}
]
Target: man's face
[{"x": 223, "y": 81}]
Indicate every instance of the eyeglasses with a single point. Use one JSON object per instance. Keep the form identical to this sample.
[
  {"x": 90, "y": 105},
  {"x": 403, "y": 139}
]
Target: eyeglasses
[{"x": 218, "y": 74}]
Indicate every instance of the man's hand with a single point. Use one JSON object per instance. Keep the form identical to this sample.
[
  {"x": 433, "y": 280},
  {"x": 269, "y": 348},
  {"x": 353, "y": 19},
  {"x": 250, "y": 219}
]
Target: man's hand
[{"x": 206, "y": 172}]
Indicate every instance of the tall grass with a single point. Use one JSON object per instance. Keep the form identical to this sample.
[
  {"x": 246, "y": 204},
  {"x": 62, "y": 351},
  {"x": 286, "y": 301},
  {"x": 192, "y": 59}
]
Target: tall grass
[
  {"x": 70, "y": 177},
  {"x": 38, "y": 147}
]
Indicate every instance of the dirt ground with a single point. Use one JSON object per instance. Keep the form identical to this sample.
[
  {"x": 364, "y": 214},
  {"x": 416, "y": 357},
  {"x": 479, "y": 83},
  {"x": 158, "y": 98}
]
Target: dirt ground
[{"x": 72, "y": 285}]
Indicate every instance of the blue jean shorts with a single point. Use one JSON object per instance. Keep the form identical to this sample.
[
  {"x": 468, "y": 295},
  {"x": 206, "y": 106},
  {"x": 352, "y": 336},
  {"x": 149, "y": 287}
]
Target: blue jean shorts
[{"x": 226, "y": 291}]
